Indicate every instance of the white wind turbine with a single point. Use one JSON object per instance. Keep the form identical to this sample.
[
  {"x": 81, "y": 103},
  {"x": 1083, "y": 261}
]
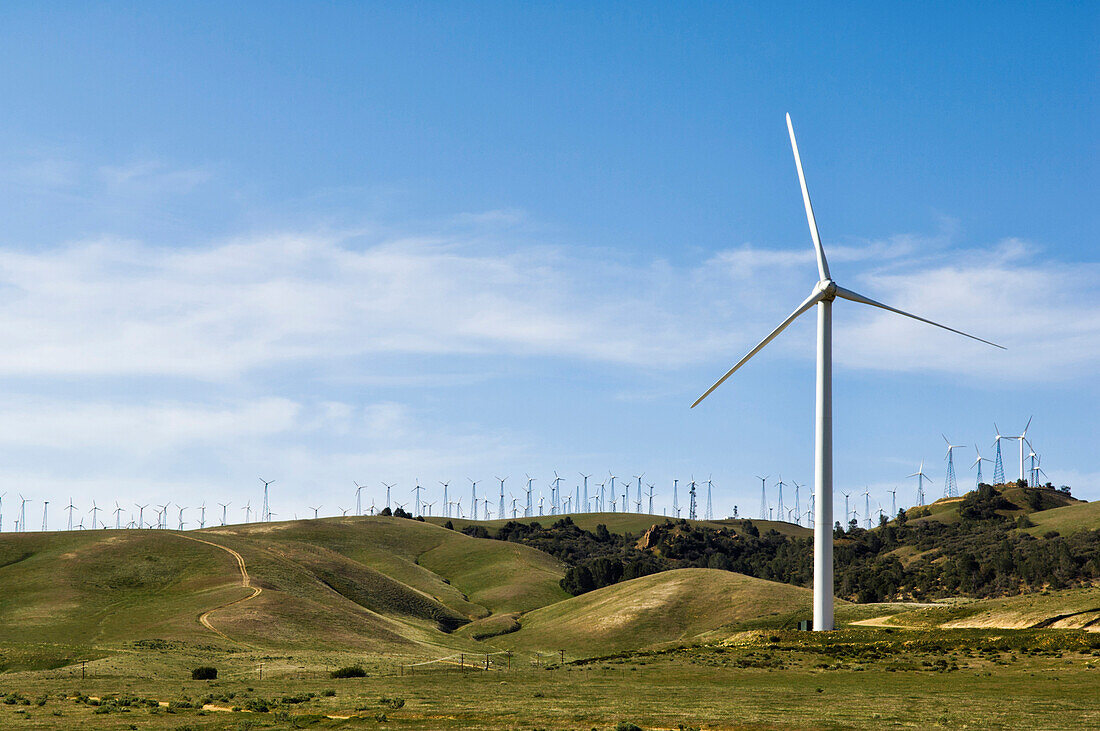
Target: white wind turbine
[
  {"x": 921, "y": 477},
  {"x": 822, "y": 297},
  {"x": 950, "y": 484},
  {"x": 1021, "y": 439},
  {"x": 978, "y": 463}
]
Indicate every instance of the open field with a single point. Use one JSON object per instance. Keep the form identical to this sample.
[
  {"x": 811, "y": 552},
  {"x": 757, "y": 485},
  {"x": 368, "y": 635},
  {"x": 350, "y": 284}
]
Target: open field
[
  {"x": 476, "y": 633},
  {"x": 769, "y": 679}
]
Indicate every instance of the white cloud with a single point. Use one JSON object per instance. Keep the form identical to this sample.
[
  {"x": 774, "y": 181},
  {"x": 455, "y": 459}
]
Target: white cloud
[{"x": 113, "y": 307}]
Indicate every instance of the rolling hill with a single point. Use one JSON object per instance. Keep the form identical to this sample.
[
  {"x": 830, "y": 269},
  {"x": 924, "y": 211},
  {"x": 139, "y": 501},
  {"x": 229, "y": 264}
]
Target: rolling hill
[{"x": 660, "y": 609}]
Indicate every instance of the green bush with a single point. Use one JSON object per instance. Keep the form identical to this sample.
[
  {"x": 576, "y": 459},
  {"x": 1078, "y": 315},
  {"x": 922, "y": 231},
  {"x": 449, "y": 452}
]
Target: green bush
[
  {"x": 204, "y": 673},
  {"x": 350, "y": 671}
]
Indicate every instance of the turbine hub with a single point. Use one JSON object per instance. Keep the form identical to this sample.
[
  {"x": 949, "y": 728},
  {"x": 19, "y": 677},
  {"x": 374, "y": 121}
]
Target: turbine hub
[{"x": 826, "y": 287}]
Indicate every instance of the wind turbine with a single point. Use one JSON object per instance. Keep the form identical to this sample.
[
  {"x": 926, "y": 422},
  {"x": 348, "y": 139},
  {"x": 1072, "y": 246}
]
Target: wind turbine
[
  {"x": 638, "y": 502},
  {"x": 763, "y": 496},
  {"x": 612, "y": 493},
  {"x": 921, "y": 477},
  {"x": 867, "y": 507},
  {"x": 950, "y": 485},
  {"x": 45, "y": 507},
  {"x": 182, "y": 508},
  {"x": 247, "y": 511},
  {"x": 2, "y": 494},
  {"x": 473, "y": 496},
  {"x": 978, "y": 463},
  {"x": 822, "y": 297},
  {"x": 430, "y": 507},
  {"x": 650, "y": 486},
  {"x": 446, "y": 502},
  {"x": 314, "y": 509},
  {"x": 1032, "y": 476},
  {"x": 202, "y": 515},
  {"x": 358, "y": 499},
  {"x": 141, "y": 514},
  {"x": 709, "y": 515},
  {"x": 23, "y": 514},
  {"x": 676, "y": 497},
  {"x": 780, "y": 486},
  {"x": 95, "y": 509},
  {"x": 500, "y": 508},
  {"x": 528, "y": 510},
  {"x": 1021, "y": 439},
  {"x": 70, "y": 508},
  {"x": 555, "y": 494},
  {"x": 893, "y": 502},
  {"x": 225, "y": 508},
  {"x": 416, "y": 496},
  {"x": 845, "y": 494},
  {"x": 998, "y": 464},
  {"x": 343, "y": 512},
  {"x": 585, "y": 503},
  {"x": 266, "y": 515},
  {"x": 797, "y": 509}
]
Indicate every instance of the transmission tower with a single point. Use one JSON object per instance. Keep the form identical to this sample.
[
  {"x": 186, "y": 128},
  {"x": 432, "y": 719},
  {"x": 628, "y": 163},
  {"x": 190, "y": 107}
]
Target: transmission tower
[{"x": 691, "y": 506}]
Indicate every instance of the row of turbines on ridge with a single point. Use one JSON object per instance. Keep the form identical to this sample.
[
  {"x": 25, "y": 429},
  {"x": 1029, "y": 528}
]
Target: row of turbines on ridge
[{"x": 585, "y": 497}]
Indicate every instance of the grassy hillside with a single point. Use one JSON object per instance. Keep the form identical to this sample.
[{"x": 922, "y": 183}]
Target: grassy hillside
[
  {"x": 623, "y": 523},
  {"x": 669, "y": 607},
  {"x": 1023, "y": 500},
  {"x": 472, "y": 577},
  {"x": 377, "y": 584},
  {"x": 1068, "y": 609},
  {"x": 109, "y": 586},
  {"x": 1067, "y": 520}
]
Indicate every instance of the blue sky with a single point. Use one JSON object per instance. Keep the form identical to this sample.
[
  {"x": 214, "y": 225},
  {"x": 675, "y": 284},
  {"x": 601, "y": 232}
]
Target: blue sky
[{"x": 389, "y": 242}]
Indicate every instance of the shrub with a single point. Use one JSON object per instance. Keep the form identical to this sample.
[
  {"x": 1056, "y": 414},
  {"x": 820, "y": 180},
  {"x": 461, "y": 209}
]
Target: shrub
[
  {"x": 350, "y": 671},
  {"x": 328, "y": 692},
  {"x": 204, "y": 673},
  {"x": 627, "y": 726}
]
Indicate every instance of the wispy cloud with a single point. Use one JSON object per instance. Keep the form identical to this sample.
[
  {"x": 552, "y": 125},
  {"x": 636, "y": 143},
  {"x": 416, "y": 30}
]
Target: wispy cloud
[{"x": 113, "y": 307}]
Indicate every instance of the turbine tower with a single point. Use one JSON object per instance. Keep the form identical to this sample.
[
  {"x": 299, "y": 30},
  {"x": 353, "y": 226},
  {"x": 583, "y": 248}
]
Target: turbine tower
[
  {"x": 1021, "y": 439},
  {"x": 527, "y": 510},
  {"x": 978, "y": 463},
  {"x": 358, "y": 499},
  {"x": 638, "y": 503},
  {"x": 650, "y": 486},
  {"x": 446, "y": 503},
  {"x": 763, "y": 496},
  {"x": 998, "y": 463},
  {"x": 70, "y": 508},
  {"x": 950, "y": 485},
  {"x": 473, "y": 496},
  {"x": 45, "y": 507},
  {"x": 500, "y": 508},
  {"x": 266, "y": 515},
  {"x": 780, "y": 486},
  {"x": 691, "y": 495},
  {"x": 797, "y": 516},
  {"x": 225, "y": 509},
  {"x": 585, "y": 503},
  {"x": 676, "y": 497},
  {"x": 921, "y": 477},
  {"x": 822, "y": 297},
  {"x": 709, "y": 515},
  {"x": 893, "y": 502},
  {"x": 845, "y": 524}
]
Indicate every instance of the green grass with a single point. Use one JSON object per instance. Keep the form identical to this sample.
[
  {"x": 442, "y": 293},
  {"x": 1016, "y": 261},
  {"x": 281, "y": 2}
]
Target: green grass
[
  {"x": 1067, "y": 520},
  {"x": 668, "y": 607},
  {"x": 864, "y": 679}
]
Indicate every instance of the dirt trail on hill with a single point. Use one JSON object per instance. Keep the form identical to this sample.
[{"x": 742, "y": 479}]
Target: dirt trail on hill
[{"x": 246, "y": 582}]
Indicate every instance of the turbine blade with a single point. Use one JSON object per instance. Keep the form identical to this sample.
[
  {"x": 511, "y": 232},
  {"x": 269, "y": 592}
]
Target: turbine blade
[
  {"x": 807, "y": 304},
  {"x": 822, "y": 264},
  {"x": 856, "y": 297}
]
